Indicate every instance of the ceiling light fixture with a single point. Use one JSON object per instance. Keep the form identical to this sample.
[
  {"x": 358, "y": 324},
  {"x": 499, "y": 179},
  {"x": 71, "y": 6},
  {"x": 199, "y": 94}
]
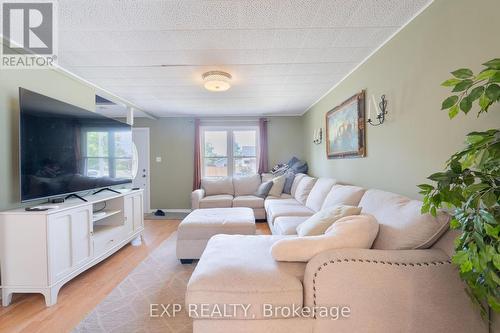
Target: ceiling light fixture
[{"x": 217, "y": 81}]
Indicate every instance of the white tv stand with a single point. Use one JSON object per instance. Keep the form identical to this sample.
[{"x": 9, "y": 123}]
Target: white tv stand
[{"x": 42, "y": 250}]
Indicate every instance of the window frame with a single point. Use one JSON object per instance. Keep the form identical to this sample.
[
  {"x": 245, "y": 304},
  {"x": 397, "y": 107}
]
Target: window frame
[
  {"x": 112, "y": 158},
  {"x": 230, "y": 146}
]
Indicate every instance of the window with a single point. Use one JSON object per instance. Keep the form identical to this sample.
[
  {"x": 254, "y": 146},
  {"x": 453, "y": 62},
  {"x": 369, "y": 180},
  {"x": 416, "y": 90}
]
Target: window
[
  {"x": 229, "y": 151},
  {"x": 108, "y": 154}
]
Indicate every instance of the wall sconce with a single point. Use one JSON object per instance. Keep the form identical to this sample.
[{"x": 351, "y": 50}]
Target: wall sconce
[
  {"x": 381, "y": 112},
  {"x": 318, "y": 136}
]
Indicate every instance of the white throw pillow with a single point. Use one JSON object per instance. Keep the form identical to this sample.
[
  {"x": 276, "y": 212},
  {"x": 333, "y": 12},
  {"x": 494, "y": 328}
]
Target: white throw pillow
[
  {"x": 322, "y": 220},
  {"x": 304, "y": 188},
  {"x": 296, "y": 182},
  {"x": 402, "y": 225},
  {"x": 278, "y": 184},
  {"x": 350, "y": 232}
]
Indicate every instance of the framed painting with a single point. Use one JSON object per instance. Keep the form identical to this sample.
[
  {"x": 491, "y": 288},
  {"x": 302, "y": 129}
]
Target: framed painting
[{"x": 345, "y": 128}]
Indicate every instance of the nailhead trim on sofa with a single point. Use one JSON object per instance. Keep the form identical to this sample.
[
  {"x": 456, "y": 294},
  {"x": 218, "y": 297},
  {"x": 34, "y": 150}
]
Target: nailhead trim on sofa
[{"x": 382, "y": 262}]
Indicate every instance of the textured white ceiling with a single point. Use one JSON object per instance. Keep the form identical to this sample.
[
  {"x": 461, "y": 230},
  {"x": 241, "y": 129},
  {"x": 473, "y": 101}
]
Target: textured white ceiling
[{"x": 283, "y": 54}]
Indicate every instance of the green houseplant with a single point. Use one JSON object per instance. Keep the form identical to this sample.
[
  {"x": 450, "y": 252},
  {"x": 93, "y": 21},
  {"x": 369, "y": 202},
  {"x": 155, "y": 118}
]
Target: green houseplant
[{"x": 470, "y": 187}]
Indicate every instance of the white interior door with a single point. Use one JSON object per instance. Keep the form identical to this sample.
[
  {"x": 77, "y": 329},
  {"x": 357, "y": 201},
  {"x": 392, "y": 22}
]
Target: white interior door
[{"x": 140, "y": 136}]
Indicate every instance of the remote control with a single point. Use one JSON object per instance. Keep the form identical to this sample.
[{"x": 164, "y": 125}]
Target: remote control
[{"x": 35, "y": 209}]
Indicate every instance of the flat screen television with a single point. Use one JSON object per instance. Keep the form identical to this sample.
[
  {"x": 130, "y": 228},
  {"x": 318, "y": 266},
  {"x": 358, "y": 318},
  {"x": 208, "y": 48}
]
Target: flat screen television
[{"x": 65, "y": 149}]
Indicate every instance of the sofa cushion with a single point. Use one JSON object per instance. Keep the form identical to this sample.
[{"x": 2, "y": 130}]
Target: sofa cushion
[
  {"x": 246, "y": 185},
  {"x": 287, "y": 210},
  {"x": 250, "y": 201},
  {"x": 214, "y": 186},
  {"x": 271, "y": 201},
  {"x": 238, "y": 269},
  {"x": 296, "y": 181},
  {"x": 343, "y": 195},
  {"x": 217, "y": 201},
  {"x": 356, "y": 231},
  {"x": 402, "y": 226},
  {"x": 322, "y": 220},
  {"x": 304, "y": 188},
  {"x": 278, "y": 184},
  {"x": 319, "y": 192},
  {"x": 287, "y": 225},
  {"x": 282, "y": 196},
  {"x": 263, "y": 189}
]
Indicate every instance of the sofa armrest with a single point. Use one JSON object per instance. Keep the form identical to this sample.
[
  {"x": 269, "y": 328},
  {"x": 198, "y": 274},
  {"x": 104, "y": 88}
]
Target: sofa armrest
[
  {"x": 196, "y": 196},
  {"x": 391, "y": 291}
]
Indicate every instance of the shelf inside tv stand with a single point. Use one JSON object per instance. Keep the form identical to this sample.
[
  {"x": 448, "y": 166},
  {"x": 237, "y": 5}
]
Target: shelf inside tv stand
[
  {"x": 106, "y": 214},
  {"x": 103, "y": 228}
]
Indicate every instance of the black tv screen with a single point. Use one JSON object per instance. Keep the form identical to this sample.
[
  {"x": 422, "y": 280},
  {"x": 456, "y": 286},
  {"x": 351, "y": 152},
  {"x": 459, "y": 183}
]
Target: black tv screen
[{"x": 66, "y": 149}]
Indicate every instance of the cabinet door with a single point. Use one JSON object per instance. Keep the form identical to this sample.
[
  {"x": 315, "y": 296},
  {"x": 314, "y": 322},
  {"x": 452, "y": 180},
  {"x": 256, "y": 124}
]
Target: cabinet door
[
  {"x": 69, "y": 239},
  {"x": 138, "y": 212},
  {"x": 128, "y": 213}
]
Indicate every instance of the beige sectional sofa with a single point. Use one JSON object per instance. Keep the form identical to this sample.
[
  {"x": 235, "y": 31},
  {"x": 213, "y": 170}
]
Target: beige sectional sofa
[
  {"x": 230, "y": 192},
  {"x": 404, "y": 283}
]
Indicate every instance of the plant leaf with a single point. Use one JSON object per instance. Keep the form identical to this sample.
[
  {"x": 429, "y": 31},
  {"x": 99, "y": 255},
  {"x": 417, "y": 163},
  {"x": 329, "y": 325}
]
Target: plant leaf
[
  {"x": 489, "y": 199},
  {"x": 449, "y": 102},
  {"x": 426, "y": 187},
  {"x": 456, "y": 166},
  {"x": 494, "y": 303},
  {"x": 450, "y": 82},
  {"x": 477, "y": 187},
  {"x": 494, "y": 63},
  {"x": 460, "y": 257},
  {"x": 454, "y": 224},
  {"x": 495, "y": 277},
  {"x": 495, "y": 78},
  {"x": 438, "y": 176},
  {"x": 464, "y": 85},
  {"x": 493, "y": 91},
  {"x": 463, "y": 73},
  {"x": 484, "y": 102},
  {"x": 486, "y": 74},
  {"x": 496, "y": 261},
  {"x": 453, "y": 111},
  {"x": 476, "y": 93},
  {"x": 465, "y": 104},
  {"x": 490, "y": 231}
]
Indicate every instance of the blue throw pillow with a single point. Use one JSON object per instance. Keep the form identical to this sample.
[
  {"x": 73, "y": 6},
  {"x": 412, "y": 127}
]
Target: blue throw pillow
[
  {"x": 300, "y": 167},
  {"x": 292, "y": 161},
  {"x": 289, "y": 177}
]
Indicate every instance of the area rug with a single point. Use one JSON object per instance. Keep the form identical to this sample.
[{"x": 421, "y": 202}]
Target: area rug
[{"x": 159, "y": 279}]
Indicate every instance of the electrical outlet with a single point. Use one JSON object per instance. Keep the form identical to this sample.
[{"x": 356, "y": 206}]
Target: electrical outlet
[{"x": 158, "y": 159}]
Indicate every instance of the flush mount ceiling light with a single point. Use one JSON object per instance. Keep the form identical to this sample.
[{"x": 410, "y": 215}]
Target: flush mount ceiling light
[{"x": 217, "y": 80}]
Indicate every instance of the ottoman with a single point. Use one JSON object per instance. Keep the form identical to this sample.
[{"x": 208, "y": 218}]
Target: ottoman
[{"x": 201, "y": 224}]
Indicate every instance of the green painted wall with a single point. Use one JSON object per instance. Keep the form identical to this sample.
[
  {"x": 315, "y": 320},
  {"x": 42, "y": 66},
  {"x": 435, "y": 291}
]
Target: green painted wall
[
  {"x": 172, "y": 139},
  {"x": 417, "y": 138},
  {"x": 286, "y": 139},
  {"x": 46, "y": 82}
]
